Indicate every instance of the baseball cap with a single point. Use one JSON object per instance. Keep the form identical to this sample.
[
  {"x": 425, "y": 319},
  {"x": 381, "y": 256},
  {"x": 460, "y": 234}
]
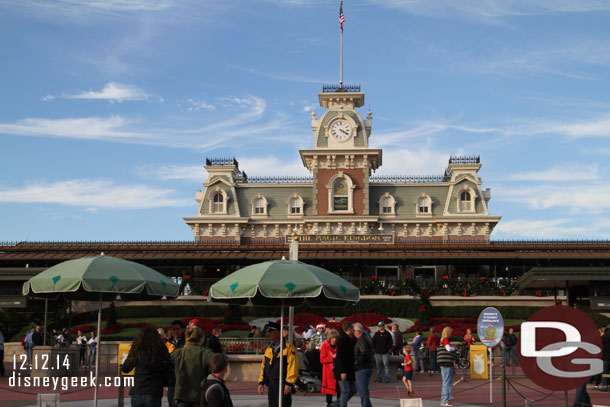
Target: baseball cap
[{"x": 381, "y": 323}]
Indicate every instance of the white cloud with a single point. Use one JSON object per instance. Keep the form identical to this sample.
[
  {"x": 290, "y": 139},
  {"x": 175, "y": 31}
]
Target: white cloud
[
  {"x": 418, "y": 161},
  {"x": 94, "y": 194},
  {"x": 272, "y": 166},
  {"x": 114, "y": 92},
  {"x": 592, "y": 197},
  {"x": 563, "y": 173},
  {"x": 112, "y": 128},
  {"x": 198, "y": 105},
  {"x": 47, "y": 98},
  {"x": 195, "y": 173},
  {"x": 562, "y": 228}
]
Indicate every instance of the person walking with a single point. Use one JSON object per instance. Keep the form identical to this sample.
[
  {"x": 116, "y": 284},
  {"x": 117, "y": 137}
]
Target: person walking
[
  {"x": 28, "y": 344},
  {"x": 270, "y": 369},
  {"x": 214, "y": 392},
  {"x": 191, "y": 366},
  {"x": 81, "y": 341},
  {"x": 382, "y": 344},
  {"x": 328, "y": 353},
  {"x": 445, "y": 357},
  {"x": 345, "y": 372},
  {"x": 433, "y": 343},
  {"x": 606, "y": 358},
  {"x": 509, "y": 351},
  {"x": 175, "y": 341},
  {"x": 153, "y": 368},
  {"x": 363, "y": 363},
  {"x": 397, "y": 340},
  {"x": 416, "y": 345},
  {"x": 407, "y": 374},
  {"x": 92, "y": 351}
]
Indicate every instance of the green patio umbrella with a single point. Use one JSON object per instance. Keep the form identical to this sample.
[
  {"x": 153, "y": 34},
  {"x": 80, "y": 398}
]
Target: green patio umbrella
[
  {"x": 100, "y": 278},
  {"x": 284, "y": 282}
]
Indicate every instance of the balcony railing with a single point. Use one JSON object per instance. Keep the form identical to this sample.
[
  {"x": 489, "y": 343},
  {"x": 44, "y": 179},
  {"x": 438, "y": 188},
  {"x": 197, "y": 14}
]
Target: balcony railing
[{"x": 249, "y": 346}]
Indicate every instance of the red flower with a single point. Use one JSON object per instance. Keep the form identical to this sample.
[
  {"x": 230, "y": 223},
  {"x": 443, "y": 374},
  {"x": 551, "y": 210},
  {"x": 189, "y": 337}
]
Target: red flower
[
  {"x": 205, "y": 292},
  {"x": 409, "y": 277},
  {"x": 464, "y": 294},
  {"x": 426, "y": 293},
  {"x": 539, "y": 293},
  {"x": 374, "y": 278},
  {"x": 445, "y": 277},
  {"x": 187, "y": 277},
  {"x": 422, "y": 308},
  {"x": 393, "y": 293},
  {"x": 483, "y": 278},
  {"x": 502, "y": 291}
]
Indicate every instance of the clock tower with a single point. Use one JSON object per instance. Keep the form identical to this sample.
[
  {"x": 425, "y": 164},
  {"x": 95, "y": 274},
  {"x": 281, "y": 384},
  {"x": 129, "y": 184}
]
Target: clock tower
[{"x": 341, "y": 160}]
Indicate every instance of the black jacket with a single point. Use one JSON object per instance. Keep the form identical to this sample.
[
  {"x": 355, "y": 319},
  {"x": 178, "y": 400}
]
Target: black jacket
[
  {"x": 151, "y": 375},
  {"x": 344, "y": 362},
  {"x": 382, "y": 342},
  {"x": 510, "y": 340},
  {"x": 214, "y": 393},
  {"x": 38, "y": 338},
  {"x": 363, "y": 352},
  {"x": 606, "y": 345},
  {"x": 214, "y": 344}
]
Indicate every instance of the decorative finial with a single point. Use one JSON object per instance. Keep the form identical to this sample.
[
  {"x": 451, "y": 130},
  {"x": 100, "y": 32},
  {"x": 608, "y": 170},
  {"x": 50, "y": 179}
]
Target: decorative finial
[
  {"x": 313, "y": 114},
  {"x": 369, "y": 114}
]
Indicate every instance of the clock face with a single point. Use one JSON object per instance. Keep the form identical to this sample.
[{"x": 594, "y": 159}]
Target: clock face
[{"x": 340, "y": 130}]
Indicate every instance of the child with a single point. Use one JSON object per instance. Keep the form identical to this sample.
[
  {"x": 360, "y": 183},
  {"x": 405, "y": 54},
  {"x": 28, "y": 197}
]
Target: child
[{"x": 407, "y": 375}]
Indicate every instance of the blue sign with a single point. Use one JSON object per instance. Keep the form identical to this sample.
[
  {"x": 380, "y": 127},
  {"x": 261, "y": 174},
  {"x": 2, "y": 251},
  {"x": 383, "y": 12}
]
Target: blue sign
[{"x": 490, "y": 327}]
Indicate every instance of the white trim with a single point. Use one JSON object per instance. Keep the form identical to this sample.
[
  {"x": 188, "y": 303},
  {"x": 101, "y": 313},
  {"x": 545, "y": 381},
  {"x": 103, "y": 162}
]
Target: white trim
[
  {"x": 428, "y": 213},
  {"x": 392, "y": 212},
  {"x": 225, "y": 201}
]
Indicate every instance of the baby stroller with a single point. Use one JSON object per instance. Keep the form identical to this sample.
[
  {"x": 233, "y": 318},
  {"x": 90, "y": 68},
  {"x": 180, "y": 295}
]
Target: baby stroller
[
  {"x": 461, "y": 357},
  {"x": 310, "y": 378}
]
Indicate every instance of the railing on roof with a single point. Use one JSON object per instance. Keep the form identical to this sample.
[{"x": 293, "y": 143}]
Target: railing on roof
[
  {"x": 276, "y": 180},
  {"x": 465, "y": 159},
  {"x": 340, "y": 88},
  {"x": 221, "y": 161},
  {"x": 417, "y": 179}
]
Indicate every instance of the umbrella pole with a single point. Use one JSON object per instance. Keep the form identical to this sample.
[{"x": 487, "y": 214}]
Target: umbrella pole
[
  {"x": 46, "y": 308},
  {"x": 281, "y": 355},
  {"x": 99, "y": 348}
]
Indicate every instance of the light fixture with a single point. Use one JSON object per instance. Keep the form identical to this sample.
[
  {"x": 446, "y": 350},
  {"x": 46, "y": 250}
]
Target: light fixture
[{"x": 380, "y": 227}]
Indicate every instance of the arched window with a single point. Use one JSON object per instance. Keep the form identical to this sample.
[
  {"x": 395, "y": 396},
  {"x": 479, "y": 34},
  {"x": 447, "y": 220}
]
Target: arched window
[
  {"x": 259, "y": 206},
  {"x": 424, "y": 205},
  {"x": 219, "y": 203},
  {"x": 466, "y": 203},
  {"x": 340, "y": 194},
  {"x": 386, "y": 205},
  {"x": 295, "y": 206}
]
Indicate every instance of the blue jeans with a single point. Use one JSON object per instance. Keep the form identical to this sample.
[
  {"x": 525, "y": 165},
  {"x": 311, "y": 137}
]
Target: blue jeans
[
  {"x": 91, "y": 357},
  {"x": 447, "y": 389},
  {"x": 382, "y": 360},
  {"x": 348, "y": 389},
  {"x": 145, "y": 401},
  {"x": 364, "y": 376},
  {"x": 508, "y": 354},
  {"x": 581, "y": 398}
]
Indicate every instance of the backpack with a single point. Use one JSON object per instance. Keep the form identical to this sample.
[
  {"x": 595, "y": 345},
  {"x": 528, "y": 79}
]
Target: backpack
[{"x": 207, "y": 385}]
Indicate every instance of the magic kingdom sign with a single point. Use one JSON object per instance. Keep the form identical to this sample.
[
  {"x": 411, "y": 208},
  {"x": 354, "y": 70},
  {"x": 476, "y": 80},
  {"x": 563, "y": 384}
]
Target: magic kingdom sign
[{"x": 387, "y": 239}]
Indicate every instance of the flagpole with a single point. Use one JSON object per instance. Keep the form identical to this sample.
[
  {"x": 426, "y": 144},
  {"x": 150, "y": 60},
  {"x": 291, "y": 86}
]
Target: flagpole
[{"x": 341, "y": 52}]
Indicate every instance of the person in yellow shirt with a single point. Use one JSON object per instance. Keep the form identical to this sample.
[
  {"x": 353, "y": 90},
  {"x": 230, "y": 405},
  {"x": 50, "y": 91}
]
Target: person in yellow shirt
[{"x": 270, "y": 369}]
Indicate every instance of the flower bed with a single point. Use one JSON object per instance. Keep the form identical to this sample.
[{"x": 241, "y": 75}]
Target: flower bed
[{"x": 459, "y": 325}]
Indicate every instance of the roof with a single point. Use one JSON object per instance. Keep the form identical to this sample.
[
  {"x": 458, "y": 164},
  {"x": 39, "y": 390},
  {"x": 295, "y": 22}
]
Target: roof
[{"x": 558, "y": 277}]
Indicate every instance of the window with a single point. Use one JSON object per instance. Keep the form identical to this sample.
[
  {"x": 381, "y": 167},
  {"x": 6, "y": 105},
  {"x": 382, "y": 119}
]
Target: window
[
  {"x": 341, "y": 195},
  {"x": 424, "y": 205},
  {"x": 295, "y": 206},
  {"x": 466, "y": 203},
  {"x": 259, "y": 206},
  {"x": 219, "y": 203},
  {"x": 387, "y": 204}
]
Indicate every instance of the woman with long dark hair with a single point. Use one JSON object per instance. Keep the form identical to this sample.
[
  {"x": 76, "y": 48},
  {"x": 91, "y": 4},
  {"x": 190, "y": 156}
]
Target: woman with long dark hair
[{"x": 149, "y": 356}]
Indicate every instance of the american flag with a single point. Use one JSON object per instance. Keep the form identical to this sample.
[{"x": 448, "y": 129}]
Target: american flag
[{"x": 341, "y": 16}]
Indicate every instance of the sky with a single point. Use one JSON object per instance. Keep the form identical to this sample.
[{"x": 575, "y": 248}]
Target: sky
[{"x": 108, "y": 108}]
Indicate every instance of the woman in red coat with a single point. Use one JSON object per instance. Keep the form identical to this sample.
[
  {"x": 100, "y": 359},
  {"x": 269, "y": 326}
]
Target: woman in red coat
[{"x": 328, "y": 353}]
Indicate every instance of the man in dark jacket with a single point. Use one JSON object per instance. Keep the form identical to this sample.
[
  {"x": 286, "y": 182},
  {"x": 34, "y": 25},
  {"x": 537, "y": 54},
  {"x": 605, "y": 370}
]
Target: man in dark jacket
[
  {"x": 345, "y": 372},
  {"x": 606, "y": 357},
  {"x": 213, "y": 341},
  {"x": 363, "y": 358},
  {"x": 510, "y": 348},
  {"x": 382, "y": 344}
]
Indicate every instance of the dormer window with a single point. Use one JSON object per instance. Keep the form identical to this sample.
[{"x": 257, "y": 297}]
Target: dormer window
[
  {"x": 466, "y": 201},
  {"x": 218, "y": 202},
  {"x": 424, "y": 205},
  {"x": 295, "y": 205},
  {"x": 386, "y": 205},
  {"x": 259, "y": 206}
]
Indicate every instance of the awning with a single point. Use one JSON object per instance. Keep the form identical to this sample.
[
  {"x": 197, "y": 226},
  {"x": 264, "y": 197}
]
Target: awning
[{"x": 556, "y": 277}]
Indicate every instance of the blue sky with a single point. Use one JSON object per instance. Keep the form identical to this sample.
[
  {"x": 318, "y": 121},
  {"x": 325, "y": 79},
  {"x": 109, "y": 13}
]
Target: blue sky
[{"x": 108, "y": 108}]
